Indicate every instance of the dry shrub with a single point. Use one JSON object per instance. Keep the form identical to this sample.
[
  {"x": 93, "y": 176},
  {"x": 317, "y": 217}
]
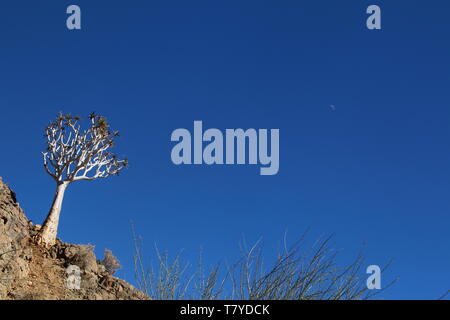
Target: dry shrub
[
  {"x": 298, "y": 273},
  {"x": 110, "y": 262}
]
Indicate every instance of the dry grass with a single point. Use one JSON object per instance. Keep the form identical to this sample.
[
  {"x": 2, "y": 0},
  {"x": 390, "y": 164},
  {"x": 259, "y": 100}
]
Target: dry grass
[{"x": 298, "y": 273}]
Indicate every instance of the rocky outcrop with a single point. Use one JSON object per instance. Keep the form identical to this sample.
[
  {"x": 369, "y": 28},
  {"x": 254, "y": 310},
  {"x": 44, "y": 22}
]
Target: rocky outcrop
[{"x": 30, "y": 271}]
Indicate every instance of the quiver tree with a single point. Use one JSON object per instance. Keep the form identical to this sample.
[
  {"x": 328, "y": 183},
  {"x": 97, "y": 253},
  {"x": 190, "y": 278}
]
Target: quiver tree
[{"x": 75, "y": 154}]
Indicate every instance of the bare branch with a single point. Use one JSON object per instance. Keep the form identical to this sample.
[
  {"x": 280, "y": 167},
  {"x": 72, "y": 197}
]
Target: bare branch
[{"x": 74, "y": 154}]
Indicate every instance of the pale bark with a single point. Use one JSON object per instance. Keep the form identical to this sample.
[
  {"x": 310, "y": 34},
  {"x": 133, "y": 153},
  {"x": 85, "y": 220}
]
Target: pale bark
[
  {"x": 50, "y": 228},
  {"x": 74, "y": 154}
]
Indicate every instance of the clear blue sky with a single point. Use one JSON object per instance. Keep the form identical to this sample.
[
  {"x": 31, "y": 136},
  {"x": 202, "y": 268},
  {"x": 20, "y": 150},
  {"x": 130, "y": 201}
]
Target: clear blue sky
[{"x": 374, "y": 171}]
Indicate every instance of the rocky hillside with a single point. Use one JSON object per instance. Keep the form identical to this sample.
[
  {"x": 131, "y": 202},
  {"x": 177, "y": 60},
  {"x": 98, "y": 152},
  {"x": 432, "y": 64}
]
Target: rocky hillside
[{"x": 29, "y": 271}]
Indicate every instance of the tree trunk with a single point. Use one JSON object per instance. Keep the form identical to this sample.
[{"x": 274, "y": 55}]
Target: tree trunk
[{"x": 50, "y": 227}]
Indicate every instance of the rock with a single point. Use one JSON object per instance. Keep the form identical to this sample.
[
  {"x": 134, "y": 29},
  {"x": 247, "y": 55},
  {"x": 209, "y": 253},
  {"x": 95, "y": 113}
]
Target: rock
[{"x": 29, "y": 271}]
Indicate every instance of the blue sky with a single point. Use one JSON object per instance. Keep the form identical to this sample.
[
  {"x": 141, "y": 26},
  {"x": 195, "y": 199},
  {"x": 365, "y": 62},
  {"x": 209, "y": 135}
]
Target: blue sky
[{"x": 375, "y": 170}]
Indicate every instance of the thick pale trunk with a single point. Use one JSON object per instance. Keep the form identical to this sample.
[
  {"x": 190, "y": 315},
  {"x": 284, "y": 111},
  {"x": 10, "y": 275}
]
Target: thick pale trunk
[{"x": 50, "y": 227}]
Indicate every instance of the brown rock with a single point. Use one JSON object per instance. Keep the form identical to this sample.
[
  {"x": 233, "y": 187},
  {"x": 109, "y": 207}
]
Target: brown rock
[{"x": 29, "y": 271}]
